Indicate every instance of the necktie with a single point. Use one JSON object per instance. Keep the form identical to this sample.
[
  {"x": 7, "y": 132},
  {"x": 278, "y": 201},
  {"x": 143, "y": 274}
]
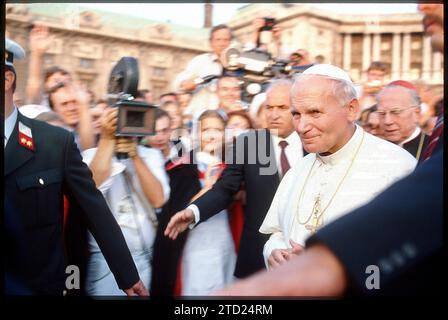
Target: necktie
[
  {"x": 434, "y": 138},
  {"x": 283, "y": 160}
]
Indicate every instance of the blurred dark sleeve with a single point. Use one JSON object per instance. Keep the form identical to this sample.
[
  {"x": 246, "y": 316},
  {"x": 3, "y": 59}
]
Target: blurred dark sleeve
[
  {"x": 15, "y": 254},
  {"x": 400, "y": 231},
  {"x": 95, "y": 213}
]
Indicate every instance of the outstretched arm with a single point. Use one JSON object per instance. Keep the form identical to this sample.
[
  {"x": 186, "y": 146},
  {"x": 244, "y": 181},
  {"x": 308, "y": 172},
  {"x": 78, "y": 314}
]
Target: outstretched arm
[
  {"x": 315, "y": 273},
  {"x": 80, "y": 188},
  {"x": 39, "y": 42}
]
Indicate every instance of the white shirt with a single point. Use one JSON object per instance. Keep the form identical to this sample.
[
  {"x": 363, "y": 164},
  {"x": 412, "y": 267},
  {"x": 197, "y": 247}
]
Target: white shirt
[
  {"x": 411, "y": 137},
  {"x": 378, "y": 164},
  {"x": 136, "y": 225},
  {"x": 200, "y": 66},
  {"x": 10, "y": 123},
  {"x": 293, "y": 151}
]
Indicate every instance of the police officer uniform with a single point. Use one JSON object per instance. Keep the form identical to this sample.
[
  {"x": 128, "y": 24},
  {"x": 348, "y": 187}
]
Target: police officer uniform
[{"x": 42, "y": 164}]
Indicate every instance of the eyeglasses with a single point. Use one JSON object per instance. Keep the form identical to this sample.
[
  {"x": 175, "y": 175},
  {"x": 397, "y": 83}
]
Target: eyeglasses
[
  {"x": 371, "y": 126},
  {"x": 394, "y": 112}
]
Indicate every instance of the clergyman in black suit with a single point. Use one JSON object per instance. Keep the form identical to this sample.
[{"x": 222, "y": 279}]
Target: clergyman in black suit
[{"x": 399, "y": 112}]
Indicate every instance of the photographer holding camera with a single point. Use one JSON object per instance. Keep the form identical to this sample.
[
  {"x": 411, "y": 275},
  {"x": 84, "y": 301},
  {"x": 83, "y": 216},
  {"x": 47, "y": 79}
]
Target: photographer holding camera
[
  {"x": 266, "y": 36},
  {"x": 133, "y": 188}
]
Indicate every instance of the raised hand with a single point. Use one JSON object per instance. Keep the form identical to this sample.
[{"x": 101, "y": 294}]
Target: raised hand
[{"x": 40, "y": 39}]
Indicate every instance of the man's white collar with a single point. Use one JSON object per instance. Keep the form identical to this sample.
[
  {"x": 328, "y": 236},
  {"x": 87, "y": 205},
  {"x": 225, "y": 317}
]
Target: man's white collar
[
  {"x": 346, "y": 152},
  {"x": 411, "y": 137}
]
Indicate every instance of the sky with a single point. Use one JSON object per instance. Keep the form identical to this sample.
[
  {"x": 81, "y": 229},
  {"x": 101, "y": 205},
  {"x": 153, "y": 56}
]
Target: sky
[{"x": 182, "y": 13}]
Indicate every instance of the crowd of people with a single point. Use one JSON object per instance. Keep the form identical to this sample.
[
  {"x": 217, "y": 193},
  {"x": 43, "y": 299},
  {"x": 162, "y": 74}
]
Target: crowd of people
[{"x": 226, "y": 192}]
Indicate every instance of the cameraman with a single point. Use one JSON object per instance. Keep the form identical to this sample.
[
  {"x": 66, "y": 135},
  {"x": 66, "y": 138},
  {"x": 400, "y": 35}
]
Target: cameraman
[
  {"x": 133, "y": 188},
  {"x": 266, "y": 35},
  {"x": 208, "y": 63}
]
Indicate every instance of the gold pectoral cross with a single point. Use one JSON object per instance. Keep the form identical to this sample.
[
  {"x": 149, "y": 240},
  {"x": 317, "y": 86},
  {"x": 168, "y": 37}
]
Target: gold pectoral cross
[{"x": 316, "y": 221}]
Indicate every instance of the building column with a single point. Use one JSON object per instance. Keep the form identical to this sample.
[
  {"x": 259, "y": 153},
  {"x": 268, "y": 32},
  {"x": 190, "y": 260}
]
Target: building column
[
  {"x": 365, "y": 54},
  {"x": 347, "y": 52},
  {"x": 406, "y": 62},
  {"x": 426, "y": 63},
  {"x": 300, "y": 35},
  {"x": 376, "y": 47},
  {"x": 396, "y": 53},
  {"x": 437, "y": 76}
]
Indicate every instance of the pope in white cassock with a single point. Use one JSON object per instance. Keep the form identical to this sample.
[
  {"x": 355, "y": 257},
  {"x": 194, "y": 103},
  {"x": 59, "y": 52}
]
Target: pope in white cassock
[{"x": 345, "y": 168}]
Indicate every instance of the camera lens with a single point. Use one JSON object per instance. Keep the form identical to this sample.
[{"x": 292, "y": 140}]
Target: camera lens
[{"x": 253, "y": 88}]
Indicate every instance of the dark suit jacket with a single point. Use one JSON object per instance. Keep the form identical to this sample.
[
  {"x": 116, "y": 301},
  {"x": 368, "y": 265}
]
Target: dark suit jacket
[
  {"x": 413, "y": 146},
  {"x": 400, "y": 231},
  {"x": 35, "y": 182},
  {"x": 260, "y": 189}
]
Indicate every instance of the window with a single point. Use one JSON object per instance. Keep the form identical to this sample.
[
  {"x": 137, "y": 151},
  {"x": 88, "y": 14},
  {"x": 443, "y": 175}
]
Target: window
[
  {"x": 416, "y": 45},
  {"x": 88, "y": 18},
  {"x": 86, "y": 63},
  {"x": 158, "y": 72},
  {"x": 48, "y": 59}
]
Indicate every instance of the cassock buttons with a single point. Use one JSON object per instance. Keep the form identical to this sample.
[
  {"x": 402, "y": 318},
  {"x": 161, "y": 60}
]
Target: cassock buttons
[{"x": 41, "y": 181}]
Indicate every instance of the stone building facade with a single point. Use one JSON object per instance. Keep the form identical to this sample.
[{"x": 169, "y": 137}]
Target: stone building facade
[
  {"x": 351, "y": 41},
  {"x": 89, "y": 42}
]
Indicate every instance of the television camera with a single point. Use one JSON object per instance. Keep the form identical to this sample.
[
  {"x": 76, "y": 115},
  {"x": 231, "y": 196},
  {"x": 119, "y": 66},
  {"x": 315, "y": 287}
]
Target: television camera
[{"x": 135, "y": 118}]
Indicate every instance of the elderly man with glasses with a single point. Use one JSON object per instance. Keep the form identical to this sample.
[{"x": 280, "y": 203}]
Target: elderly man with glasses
[{"x": 399, "y": 112}]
